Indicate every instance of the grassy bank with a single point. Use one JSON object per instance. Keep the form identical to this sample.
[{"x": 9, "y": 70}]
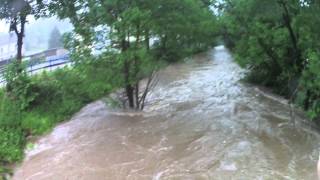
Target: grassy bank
[{"x": 43, "y": 101}]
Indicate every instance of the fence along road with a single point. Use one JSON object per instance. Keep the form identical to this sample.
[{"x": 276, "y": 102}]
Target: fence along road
[{"x": 33, "y": 68}]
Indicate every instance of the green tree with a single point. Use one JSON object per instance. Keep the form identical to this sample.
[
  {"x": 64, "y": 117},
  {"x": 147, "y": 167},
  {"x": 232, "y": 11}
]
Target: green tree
[
  {"x": 125, "y": 28},
  {"x": 16, "y": 12},
  {"x": 279, "y": 43},
  {"x": 55, "y": 39}
]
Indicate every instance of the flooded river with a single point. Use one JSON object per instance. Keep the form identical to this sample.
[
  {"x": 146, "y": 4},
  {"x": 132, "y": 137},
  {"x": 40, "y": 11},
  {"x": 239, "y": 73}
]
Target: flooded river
[{"x": 199, "y": 123}]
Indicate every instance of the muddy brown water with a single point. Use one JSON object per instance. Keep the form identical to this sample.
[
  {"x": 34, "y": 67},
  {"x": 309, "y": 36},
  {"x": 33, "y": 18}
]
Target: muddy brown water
[{"x": 199, "y": 123}]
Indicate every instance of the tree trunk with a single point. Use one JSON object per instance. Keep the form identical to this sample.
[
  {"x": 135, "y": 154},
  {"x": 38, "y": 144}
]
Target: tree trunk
[
  {"x": 307, "y": 100},
  {"x": 164, "y": 43},
  {"x": 137, "y": 95},
  {"x": 294, "y": 40},
  {"x": 129, "y": 88},
  {"x": 19, "y": 47},
  {"x": 129, "y": 92},
  {"x": 126, "y": 70},
  {"x": 147, "y": 40},
  {"x": 20, "y": 36},
  {"x": 136, "y": 69}
]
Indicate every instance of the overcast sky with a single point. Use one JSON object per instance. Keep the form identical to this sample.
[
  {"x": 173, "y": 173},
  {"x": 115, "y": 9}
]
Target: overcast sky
[
  {"x": 38, "y": 32},
  {"x": 4, "y": 27}
]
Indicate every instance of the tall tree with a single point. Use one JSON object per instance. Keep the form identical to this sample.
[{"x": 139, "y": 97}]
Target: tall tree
[
  {"x": 55, "y": 40},
  {"x": 177, "y": 27},
  {"x": 16, "y": 12}
]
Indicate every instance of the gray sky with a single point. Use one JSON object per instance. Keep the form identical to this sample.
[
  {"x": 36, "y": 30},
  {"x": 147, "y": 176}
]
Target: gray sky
[
  {"x": 38, "y": 31},
  {"x": 4, "y": 27}
]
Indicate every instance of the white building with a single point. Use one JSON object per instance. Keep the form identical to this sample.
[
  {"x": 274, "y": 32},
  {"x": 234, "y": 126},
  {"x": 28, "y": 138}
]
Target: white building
[{"x": 8, "y": 46}]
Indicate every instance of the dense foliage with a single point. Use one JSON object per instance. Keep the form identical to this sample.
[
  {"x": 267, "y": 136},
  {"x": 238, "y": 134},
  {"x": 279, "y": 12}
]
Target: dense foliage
[
  {"x": 278, "y": 41},
  {"x": 35, "y": 104},
  {"x": 138, "y": 34}
]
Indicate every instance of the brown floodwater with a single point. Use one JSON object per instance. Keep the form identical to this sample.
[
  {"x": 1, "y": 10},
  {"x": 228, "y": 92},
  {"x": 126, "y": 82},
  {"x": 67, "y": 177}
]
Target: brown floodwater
[{"x": 199, "y": 123}]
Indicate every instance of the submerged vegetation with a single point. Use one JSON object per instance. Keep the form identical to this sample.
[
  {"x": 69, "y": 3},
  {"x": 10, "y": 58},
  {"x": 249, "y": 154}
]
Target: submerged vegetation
[
  {"x": 278, "y": 41},
  {"x": 115, "y": 44}
]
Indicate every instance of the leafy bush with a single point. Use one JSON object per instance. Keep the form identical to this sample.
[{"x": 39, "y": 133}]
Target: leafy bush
[
  {"x": 36, "y": 124},
  {"x": 309, "y": 89},
  {"x": 19, "y": 85},
  {"x": 33, "y": 105},
  {"x": 10, "y": 112},
  {"x": 11, "y": 145}
]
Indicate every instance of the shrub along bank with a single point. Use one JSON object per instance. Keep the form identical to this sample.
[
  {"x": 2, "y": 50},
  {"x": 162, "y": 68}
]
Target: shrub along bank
[{"x": 31, "y": 106}]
